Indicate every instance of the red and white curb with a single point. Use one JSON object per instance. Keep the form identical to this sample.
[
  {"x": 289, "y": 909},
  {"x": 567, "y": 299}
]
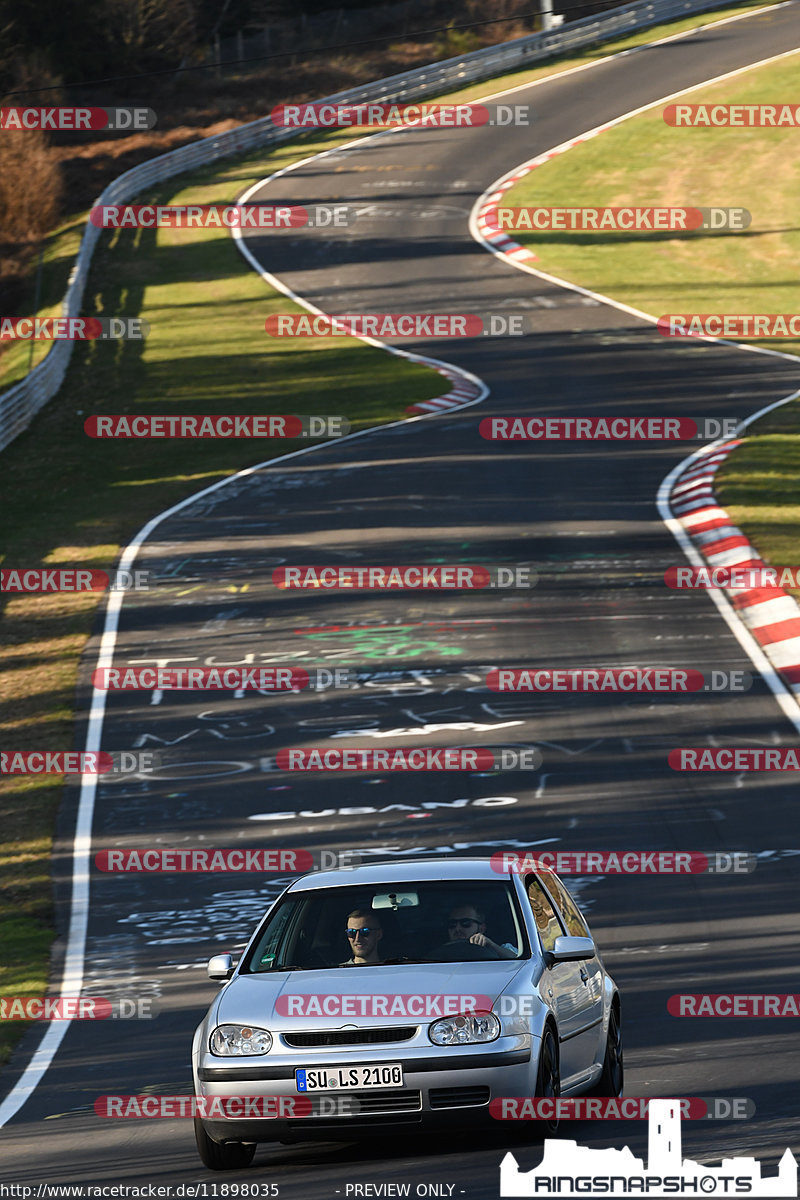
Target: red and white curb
[
  {"x": 486, "y": 217},
  {"x": 771, "y": 615},
  {"x": 465, "y": 390},
  {"x": 765, "y": 622}
]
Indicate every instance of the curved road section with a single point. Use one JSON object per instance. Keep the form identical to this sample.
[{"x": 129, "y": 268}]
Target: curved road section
[{"x": 432, "y": 490}]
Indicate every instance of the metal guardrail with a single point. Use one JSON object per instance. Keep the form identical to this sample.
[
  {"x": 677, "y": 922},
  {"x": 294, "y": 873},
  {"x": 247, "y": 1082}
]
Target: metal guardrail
[{"x": 19, "y": 405}]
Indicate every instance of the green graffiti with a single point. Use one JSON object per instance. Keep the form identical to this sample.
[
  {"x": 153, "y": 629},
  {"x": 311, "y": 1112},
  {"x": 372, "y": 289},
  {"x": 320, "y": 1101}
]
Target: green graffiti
[{"x": 385, "y": 641}]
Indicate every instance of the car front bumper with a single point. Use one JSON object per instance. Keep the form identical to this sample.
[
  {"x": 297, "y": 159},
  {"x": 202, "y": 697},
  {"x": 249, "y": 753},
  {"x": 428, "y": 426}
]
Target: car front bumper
[{"x": 439, "y": 1089}]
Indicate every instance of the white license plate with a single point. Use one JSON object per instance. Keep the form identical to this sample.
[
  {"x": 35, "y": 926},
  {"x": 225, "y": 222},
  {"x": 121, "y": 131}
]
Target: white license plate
[{"x": 351, "y": 1079}]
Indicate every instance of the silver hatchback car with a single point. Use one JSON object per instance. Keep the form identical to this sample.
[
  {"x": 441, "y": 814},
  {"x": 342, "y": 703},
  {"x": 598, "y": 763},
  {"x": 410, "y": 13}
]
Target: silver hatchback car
[{"x": 397, "y": 996}]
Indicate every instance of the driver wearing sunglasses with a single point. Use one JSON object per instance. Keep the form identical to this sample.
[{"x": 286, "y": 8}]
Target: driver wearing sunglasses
[
  {"x": 363, "y": 933},
  {"x": 467, "y": 923}
]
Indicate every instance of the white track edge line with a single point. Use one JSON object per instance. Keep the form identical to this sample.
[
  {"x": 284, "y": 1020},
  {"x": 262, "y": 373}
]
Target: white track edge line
[
  {"x": 79, "y": 913},
  {"x": 786, "y": 699}
]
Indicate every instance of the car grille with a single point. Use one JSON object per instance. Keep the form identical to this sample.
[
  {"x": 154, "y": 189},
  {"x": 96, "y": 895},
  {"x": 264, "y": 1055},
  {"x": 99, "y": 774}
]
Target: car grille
[
  {"x": 349, "y": 1037},
  {"x": 462, "y": 1097},
  {"x": 366, "y": 1104}
]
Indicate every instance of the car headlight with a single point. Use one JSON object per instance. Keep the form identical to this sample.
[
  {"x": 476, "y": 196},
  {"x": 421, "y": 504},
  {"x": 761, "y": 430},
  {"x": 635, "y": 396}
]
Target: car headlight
[
  {"x": 464, "y": 1029},
  {"x": 231, "y": 1041}
]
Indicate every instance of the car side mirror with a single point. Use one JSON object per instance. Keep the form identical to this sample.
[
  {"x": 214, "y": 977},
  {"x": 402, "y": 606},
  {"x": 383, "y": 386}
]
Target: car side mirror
[
  {"x": 570, "y": 949},
  {"x": 220, "y": 966}
]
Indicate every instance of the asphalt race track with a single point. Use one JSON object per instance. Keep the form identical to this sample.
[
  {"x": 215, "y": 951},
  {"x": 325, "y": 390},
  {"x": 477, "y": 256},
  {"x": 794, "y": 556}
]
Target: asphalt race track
[{"x": 584, "y": 515}]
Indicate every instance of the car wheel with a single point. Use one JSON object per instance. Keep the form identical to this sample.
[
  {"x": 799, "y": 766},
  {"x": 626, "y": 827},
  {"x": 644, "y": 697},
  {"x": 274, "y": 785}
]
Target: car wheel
[
  {"x": 222, "y": 1156},
  {"x": 612, "y": 1078},
  {"x": 548, "y": 1076}
]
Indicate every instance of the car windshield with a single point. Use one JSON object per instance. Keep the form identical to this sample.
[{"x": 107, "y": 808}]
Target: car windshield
[{"x": 390, "y": 924}]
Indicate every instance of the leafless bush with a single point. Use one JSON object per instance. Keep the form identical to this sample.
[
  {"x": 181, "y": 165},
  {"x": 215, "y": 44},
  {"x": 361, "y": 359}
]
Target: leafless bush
[{"x": 30, "y": 185}]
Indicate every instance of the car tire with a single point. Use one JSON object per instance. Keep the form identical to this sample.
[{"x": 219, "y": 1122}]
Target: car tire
[
  {"x": 222, "y": 1156},
  {"x": 612, "y": 1079},
  {"x": 548, "y": 1076}
]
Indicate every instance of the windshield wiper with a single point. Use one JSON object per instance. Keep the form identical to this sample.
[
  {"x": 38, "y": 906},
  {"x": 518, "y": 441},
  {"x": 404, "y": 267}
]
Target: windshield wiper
[{"x": 393, "y": 962}]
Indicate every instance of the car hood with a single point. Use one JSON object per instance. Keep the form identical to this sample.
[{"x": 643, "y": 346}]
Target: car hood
[{"x": 269, "y": 999}]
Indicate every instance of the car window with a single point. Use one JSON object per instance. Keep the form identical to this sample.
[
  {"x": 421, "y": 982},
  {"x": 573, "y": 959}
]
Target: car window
[
  {"x": 425, "y": 921},
  {"x": 544, "y": 914},
  {"x": 567, "y": 909}
]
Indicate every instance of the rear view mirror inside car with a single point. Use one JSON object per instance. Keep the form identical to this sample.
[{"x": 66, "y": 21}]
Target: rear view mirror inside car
[{"x": 395, "y": 900}]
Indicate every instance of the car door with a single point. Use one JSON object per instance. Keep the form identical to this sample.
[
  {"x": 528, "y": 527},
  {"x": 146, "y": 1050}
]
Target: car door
[
  {"x": 572, "y": 989},
  {"x": 592, "y": 972}
]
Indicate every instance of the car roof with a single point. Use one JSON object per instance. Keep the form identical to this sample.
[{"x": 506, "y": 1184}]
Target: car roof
[{"x": 424, "y": 869}]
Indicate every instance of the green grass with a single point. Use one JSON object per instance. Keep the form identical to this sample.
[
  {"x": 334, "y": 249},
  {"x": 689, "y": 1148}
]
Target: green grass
[
  {"x": 74, "y": 501},
  {"x": 68, "y": 499},
  {"x": 758, "y": 485},
  {"x": 643, "y": 161}
]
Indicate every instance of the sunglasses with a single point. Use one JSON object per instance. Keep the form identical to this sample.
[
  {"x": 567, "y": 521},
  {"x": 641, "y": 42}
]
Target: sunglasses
[
  {"x": 365, "y": 932},
  {"x": 463, "y": 922}
]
